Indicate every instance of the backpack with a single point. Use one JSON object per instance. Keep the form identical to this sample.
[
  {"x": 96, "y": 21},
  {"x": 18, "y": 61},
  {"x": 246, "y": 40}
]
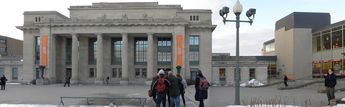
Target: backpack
[
  {"x": 203, "y": 84},
  {"x": 161, "y": 85}
]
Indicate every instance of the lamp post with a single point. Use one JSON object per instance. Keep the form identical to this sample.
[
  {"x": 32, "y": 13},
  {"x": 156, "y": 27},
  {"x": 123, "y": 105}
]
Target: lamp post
[{"x": 237, "y": 9}]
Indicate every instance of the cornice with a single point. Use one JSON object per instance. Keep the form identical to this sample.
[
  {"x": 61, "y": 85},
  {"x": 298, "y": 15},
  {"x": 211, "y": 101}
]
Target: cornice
[{"x": 212, "y": 27}]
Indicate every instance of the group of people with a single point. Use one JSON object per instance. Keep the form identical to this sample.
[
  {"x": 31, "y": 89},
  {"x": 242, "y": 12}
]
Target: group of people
[
  {"x": 173, "y": 86},
  {"x": 3, "y": 80}
]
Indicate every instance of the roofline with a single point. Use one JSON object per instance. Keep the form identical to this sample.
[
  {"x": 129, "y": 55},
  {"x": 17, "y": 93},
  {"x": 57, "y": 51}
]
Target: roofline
[
  {"x": 43, "y": 13},
  {"x": 10, "y": 37}
]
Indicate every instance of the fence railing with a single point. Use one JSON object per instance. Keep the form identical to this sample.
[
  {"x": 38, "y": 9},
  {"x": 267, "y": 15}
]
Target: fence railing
[{"x": 89, "y": 100}]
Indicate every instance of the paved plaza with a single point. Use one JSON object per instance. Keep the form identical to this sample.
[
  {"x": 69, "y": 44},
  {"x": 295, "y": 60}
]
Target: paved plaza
[{"x": 218, "y": 96}]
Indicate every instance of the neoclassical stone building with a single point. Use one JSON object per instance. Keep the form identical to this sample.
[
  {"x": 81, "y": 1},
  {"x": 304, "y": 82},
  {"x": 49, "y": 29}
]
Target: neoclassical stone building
[{"x": 127, "y": 42}]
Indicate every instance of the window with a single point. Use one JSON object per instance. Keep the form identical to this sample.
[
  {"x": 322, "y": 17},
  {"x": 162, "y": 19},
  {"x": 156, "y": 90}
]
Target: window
[
  {"x": 2, "y": 41},
  {"x": 326, "y": 41},
  {"x": 269, "y": 47},
  {"x": 194, "y": 49},
  {"x": 222, "y": 76},
  {"x": 140, "y": 51},
  {"x": 193, "y": 72},
  {"x": 116, "y": 51},
  {"x": 344, "y": 36},
  {"x": 336, "y": 39},
  {"x": 92, "y": 51},
  {"x": 92, "y": 73},
  {"x": 37, "y": 49},
  {"x": 37, "y": 19},
  {"x": 14, "y": 73},
  {"x": 194, "y": 18},
  {"x": 68, "y": 51},
  {"x": 2, "y": 50},
  {"x": 116, "y": 72},
  {"x": 140, "y": 73},
  {"x": 164, "y": 51}
]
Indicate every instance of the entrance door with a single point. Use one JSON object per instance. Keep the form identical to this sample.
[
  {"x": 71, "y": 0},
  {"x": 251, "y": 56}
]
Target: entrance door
[
  {"x": 38, "y": 73},
  {"x": 68, "y": 72},
  {"x": 252, "y": 73},
  {"x": 222, "y": 76}
]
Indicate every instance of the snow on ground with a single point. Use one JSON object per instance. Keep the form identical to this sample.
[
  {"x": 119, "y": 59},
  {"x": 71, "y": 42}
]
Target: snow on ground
[
  {"x": 343, "y": 99},
  {"x": 252, "y": 82}
]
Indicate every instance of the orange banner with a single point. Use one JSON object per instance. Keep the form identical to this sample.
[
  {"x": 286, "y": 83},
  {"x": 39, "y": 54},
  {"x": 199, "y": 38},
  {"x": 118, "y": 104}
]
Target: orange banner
[
  {"x": 179, "y": 50},
  {"x": 44, "y": 50}
]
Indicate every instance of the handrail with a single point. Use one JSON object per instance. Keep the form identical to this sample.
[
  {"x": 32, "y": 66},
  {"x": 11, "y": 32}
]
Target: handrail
[{"x": 141, "y": 100}]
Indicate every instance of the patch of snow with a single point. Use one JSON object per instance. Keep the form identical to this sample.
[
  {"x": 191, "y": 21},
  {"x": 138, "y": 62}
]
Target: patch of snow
[
  {"x": 343, "y": 99},
  {"x": 9, "y": 83},
  {"x": 252, "y": 82}
]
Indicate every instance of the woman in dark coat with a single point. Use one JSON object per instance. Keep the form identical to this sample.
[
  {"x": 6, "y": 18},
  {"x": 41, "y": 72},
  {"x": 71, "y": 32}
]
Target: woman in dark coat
[{"x": 200, "y": 95}]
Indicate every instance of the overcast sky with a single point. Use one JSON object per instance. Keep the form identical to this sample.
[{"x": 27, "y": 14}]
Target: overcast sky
[{"x": 251, "y": 37}]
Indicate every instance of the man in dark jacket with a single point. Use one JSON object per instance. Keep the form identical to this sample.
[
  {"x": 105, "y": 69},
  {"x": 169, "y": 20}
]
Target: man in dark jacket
[
  {"x": 200, "y": 95},
  {"x": 161, "y": 95},
  {"x": 68, "y": 81},
  {"x": 330, "y": 82},
  {"x": 286, "y": 80},
  {"x": 174, "y": 90},
  {"x": 3, "y": 80}
]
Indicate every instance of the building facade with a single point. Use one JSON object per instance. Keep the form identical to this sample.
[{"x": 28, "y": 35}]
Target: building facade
[
  {"x": 313, "y": 45},
  {"x": 128, "y": 42},
  {"x": 11, "y": 54},
  {"x": 261, "y": 68},
  {"x": 328, "y": 49},
  {"x": 293, "y": 42},
  {"x": 10, "y": 47}
]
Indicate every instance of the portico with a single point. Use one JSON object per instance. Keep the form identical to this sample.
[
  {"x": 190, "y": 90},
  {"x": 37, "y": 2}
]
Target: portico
[{"x": 123, "y": 46}]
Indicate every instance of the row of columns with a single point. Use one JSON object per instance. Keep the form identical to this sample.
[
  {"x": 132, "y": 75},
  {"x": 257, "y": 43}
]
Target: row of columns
[{"x": 99, "y": 59}]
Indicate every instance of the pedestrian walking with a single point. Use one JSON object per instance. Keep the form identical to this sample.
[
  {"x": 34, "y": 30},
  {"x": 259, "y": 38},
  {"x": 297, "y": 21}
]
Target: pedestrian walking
[
  {"x": 161, "y": 86},
  {"x": 183, "y": 87},
  {"x": 286, "y": 80},
  {"x": 330, "y": 82},
  {"x": 67, "y": 81},
  {"x": 3, "y": 80},
  {"x": 107, "y": 80},
  {"x": 174, "y": 89},
  {"x": 152, "y": 91},
  {"x": 201, "y": 88}
]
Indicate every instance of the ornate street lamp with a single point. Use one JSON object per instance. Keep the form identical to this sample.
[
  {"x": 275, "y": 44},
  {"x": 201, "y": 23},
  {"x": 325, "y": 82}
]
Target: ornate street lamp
[{"x": 237, "y": 9}]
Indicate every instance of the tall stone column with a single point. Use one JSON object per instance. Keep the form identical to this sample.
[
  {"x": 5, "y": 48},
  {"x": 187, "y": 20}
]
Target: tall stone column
[
  {"x": 124, "y": 55},
  {"x": 99, "y": 79},
  {"x": 75, "y": 59},
  {"x": 51, "y": 59},
  {"x": 150, "y": 57}
]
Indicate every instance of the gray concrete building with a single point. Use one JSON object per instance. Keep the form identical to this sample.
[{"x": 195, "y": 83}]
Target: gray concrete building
[
  {"x": 10, "y": 47},
  {"x": 298, "y": 44},
  {"x": 128, "y": 42},
  {"x": 262, "y": 68},
  {"x": 11, "y": 55},
  {"x": 293, "y": 42}
]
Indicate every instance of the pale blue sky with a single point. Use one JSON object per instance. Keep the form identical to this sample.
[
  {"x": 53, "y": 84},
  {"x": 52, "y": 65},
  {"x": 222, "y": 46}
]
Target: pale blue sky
[{"x": 251, "y": 37}]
